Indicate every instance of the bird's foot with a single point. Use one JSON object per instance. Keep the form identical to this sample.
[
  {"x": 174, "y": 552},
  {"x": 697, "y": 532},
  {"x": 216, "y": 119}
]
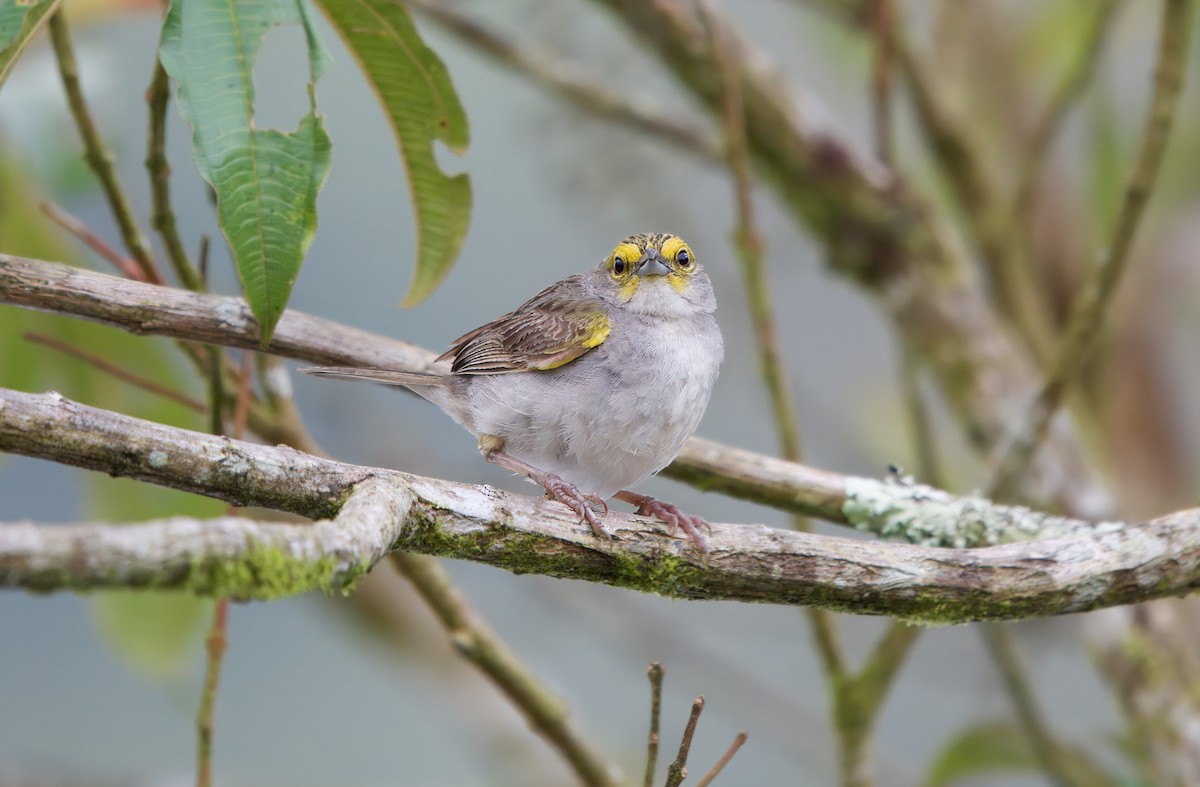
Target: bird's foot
[
  {"x": 586, "y": 506},
  {"x": 671, "y": 514}
]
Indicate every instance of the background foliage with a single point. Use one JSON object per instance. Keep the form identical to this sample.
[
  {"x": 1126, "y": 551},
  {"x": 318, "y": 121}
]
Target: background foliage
[{"x": 555, "y": 183}]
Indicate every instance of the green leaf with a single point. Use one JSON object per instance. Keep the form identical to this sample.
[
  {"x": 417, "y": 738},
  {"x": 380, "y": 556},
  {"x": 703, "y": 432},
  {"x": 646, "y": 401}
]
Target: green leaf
[
  {"x": 19, "y": 19},
  {"x": 1002, "y": 747},
  {"x": 415, "y": 90},
  {"x": 266, "y": 181}
]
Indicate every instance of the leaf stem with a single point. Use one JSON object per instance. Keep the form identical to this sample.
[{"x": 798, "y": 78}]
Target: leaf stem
[
  {"x": 158, "y": 97},
  {"x": 97, "y": 154}
]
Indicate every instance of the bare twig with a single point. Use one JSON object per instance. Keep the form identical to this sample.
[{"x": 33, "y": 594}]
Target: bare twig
[
  {"x": 241, "y": 404},
  {"x": 963, "y": 162},
  {"x": 1083, "y": 329},
  {"x": 566, "y": 79},
  {"x": 1042, "y": 740},
  {"x": 98, "y": 156},
  {"x": 655, "y": 673},
  {"x": 93, "y": 241},
  {"x": 1073, "y": 85},
  {"x": 158, "y": 96},
  {"x": 883, "y": 22},
  {"x": 923, "y": 439},
  {"x": 677, "y": 771},
  {"x": 202, "y": 256},
  {"x": 749, "y": 245},
  {"x": 479, "y": 645},
  {"x": 113, "y": 370},
  {"x": 215, "y": 647},
  {"x": 738, "y": 741}
]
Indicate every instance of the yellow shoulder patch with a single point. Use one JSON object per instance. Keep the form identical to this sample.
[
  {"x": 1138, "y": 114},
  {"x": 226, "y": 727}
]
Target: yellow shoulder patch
[{"x": 597, "y": 331}]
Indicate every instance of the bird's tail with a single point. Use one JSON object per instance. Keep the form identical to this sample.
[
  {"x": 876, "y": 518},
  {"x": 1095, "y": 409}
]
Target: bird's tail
[{"x": 386, "y": 376}]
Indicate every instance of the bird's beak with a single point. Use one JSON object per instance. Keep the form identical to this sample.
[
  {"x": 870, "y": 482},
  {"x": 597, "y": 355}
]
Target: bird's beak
[{"x": 652, "y": 264}]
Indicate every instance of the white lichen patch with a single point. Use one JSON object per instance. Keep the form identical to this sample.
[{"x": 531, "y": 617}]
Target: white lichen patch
[
  {"x": 230, "y": 312},
  {"x": 157, "y": 459},
  {"x": 898, "y": 508}
]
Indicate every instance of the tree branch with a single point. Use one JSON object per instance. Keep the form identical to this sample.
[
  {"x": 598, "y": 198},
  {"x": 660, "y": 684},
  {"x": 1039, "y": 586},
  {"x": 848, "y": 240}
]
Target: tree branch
[
  {"x": 917, "y": 513},
  {"x": 1098, "y": 567}
]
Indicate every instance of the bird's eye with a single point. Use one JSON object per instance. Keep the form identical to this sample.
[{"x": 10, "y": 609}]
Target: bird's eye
[
  {"x": 618, "y": 265},
  {"x": 683, "y": 258}
]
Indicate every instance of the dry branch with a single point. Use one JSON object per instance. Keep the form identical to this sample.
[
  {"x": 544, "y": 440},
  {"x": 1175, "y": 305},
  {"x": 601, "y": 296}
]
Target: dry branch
[
  {"x": 1099, "y": 567},
  {"x": 917, "y": 513}
]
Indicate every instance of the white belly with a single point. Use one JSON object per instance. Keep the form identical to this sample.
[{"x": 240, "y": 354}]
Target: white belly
[{"x": 601, "y": 425}]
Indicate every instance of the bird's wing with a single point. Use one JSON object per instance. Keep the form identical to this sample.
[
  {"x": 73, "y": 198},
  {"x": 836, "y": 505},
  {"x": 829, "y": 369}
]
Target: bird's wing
[
  {"x": 386, "y": 376},
  {"x": 552, "y": 329}
]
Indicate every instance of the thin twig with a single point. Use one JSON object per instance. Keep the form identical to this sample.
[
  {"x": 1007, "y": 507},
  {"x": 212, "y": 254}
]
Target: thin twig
[
  {"x": 858, "y": 698},
  {"x": 962, "y": 159},
  {"x": 883, "y": 21},
  {"x": 1073, "y": 85},
  {"x": 678, "y": 770},
  {"x": 924, "y": 442},
  {"x": 1083, "y": 329},
  {"x": 113, "y": 370},
  {"x": 1044, "y": 743},
  {"x": 655, "y": 673},
  {"x": 215, "y": 374},
  {"x": 479, "y": 645},
  {"x": 98, "y": 156},
  {"x": 158, "y": 96},
  {"x": 738, "y": 742},
  {"x": 748, "y": 243},
  {"x": 566, "y": 79},
  {"x": 93, "y": 241},
  {"x": 202, "y": 256},
  {"x": 241, "y": 405},
  {"x": 882, "y": 666},
  {"x": 1081, "y": 340},
  {"x": 215, "y": 646}
]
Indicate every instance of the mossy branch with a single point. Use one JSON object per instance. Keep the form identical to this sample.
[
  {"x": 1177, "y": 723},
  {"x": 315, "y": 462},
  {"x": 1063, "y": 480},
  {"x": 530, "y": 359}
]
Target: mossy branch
[
  {"x": 893, "y": 509},
  {"x": 379, "y": 511}
]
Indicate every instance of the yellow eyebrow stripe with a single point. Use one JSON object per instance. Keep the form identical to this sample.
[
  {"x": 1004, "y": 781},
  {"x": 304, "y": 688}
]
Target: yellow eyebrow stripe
[
  {"x": 672, "y": 245},
  {"x": 629, "y": 252}
]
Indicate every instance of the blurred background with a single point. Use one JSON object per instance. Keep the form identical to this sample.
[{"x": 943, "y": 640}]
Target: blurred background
[{"x": 365, "y": 690}]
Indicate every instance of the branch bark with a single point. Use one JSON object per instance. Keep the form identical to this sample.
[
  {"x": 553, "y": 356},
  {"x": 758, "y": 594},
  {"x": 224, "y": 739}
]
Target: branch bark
[
  {"x": 917, "y": 513},
  {"x": 387, "y": 510}
]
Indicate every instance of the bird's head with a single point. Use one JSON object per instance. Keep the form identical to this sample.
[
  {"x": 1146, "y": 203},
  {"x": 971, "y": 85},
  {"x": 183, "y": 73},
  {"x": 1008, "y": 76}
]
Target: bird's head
[{"x": 657, "y": 274}]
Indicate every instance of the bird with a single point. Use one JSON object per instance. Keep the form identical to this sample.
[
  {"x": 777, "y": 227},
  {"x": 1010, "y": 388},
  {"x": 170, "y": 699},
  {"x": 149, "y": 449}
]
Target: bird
[{"x": 591, "y": 386}]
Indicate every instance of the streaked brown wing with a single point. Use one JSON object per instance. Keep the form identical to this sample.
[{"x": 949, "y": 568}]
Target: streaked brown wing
[{"x": 553, "y": 328}]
